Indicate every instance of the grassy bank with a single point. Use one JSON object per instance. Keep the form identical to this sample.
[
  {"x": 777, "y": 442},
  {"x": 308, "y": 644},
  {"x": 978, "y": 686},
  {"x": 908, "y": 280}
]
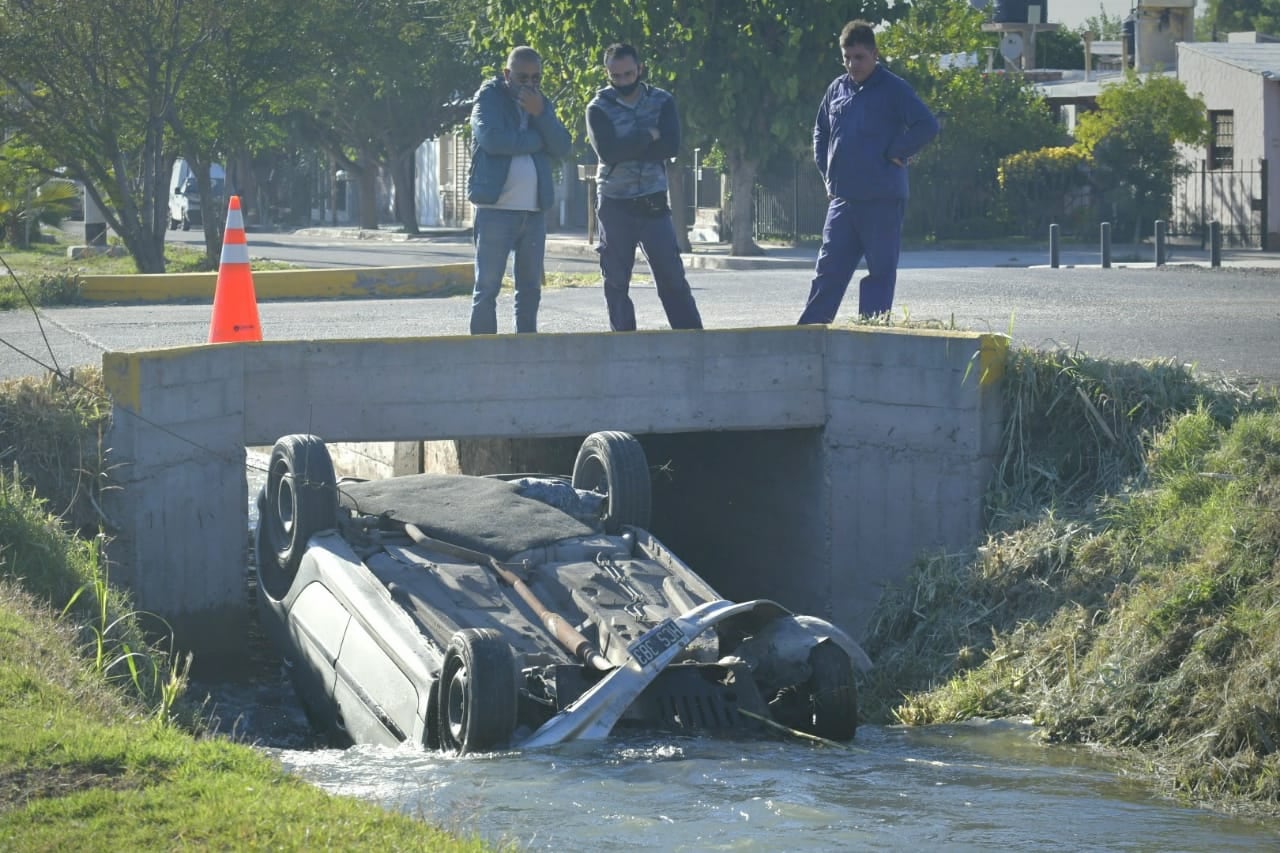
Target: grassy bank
[
  {"x": 97, "y": 748},
  {"x": 1128, "y": 593}
]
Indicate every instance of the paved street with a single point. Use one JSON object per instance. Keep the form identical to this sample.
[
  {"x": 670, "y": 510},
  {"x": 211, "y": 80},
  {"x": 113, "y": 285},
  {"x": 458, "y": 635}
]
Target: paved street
[{"x": 1226, "y": 321}]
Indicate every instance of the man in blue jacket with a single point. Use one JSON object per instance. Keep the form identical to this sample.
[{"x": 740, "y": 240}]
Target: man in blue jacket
[
  {"x": 634, "y": 129},
  {"x": 869, "y": 126},
  {"x": 515, "y": 136}
]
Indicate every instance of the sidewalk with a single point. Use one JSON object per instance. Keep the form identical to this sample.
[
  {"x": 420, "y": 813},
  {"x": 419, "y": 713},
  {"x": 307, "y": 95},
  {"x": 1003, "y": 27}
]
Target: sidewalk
[{"x": 573, "y": 244}]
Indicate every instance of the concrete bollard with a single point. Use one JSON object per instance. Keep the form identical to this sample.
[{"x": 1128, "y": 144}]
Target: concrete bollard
[
  {"x": 1106, "y": 245},
  {"x": 1053, "y": 246},
  {"x": 1215, "y": 244},
  {"x": 1161, "y": 247}
]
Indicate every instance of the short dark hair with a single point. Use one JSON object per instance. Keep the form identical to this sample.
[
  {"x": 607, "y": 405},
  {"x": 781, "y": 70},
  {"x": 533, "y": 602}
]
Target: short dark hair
[
  {"x": 620, "y": 50},
  {"x": 858, "y": 32},
  {"x": 523, "y": 53}
]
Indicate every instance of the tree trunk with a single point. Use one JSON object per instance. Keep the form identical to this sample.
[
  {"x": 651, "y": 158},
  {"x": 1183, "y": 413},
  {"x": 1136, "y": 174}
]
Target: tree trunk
[
  {"x": 212, "y": 217},
  {"x": 742, "y": 180},
  {"x": 402, "y": 178},
  {"x": 679, "y": 205}
]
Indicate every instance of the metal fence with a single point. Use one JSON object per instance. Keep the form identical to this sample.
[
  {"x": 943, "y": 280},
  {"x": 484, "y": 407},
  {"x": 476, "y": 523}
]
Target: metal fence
[
  {"x": 1236, "y": 197},
  {"x": 792, "y": 204}
]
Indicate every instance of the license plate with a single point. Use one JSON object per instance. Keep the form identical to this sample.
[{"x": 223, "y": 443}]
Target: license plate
[{"x": 647, "y": 649}]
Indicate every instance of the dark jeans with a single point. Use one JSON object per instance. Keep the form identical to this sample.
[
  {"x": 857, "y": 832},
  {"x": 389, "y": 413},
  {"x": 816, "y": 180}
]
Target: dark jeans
[
  {"x": 498, "y": 233},
  {"x": 622, "y": 228},
  {"x": 855, "y": 229}
]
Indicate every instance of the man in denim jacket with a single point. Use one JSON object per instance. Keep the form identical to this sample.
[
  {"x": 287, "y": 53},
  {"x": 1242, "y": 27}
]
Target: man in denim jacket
[
  {"x": 869, "y": 126},
  {"x": 634, "y": 130},
  {"x": 515, "y": 135}
]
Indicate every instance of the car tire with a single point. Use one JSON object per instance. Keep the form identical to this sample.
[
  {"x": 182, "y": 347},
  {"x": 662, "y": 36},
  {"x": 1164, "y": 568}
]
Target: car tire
[
  {"x": 186, "y": 223},
  {"x": 478, "y": 697},
  {"x": 299, "y": 499},
  {"x": 613, "y": 464},
  {"x": 173, "y": 224},
  {"x": 832, "y": 691}
]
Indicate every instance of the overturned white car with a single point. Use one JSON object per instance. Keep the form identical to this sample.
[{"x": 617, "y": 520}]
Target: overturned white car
[{"x": 477, "y": 613}]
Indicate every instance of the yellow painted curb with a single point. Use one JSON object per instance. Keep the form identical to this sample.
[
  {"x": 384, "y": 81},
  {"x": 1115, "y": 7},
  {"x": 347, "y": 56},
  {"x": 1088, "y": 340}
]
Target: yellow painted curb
[{"x": 437, "y": 280}]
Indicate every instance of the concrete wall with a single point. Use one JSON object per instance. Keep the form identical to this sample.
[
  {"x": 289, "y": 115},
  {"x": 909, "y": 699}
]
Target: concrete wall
[{"x": 808, "y": 464}]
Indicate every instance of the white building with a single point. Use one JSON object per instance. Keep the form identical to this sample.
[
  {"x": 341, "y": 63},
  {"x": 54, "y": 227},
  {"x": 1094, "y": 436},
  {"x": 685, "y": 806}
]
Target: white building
[{"x": 1239, "y": 82}]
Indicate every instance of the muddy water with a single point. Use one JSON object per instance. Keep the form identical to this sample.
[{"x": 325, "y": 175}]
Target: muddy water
[
  {"x": 971, "y": 787},
  {"x": 982, "y": 786}
]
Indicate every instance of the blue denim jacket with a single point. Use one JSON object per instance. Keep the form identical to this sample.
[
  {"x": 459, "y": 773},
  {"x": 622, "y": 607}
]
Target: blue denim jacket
[
  {"x": 861, "y": 130},
  {"x": 496, "y": 137}
]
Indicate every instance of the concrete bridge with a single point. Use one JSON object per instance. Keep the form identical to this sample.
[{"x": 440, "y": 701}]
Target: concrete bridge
[{"x": 811, "y": 465}]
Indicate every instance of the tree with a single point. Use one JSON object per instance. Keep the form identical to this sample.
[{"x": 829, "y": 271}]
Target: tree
[
  {"x": 985, "y": 117},
  {"x": 90, "y": 84},
  {"x": 377, "y": 91},
  {"x": 229, "y": 99},
  {"x": 932, "y": 28},
  {"x": 1103, "y": 26},
  {"x": 1238, "y": 16},
  {"x": 748, "y": 75},
  {"x": 1132, "y": 137},
  {"x": 1059, "y": 49}
]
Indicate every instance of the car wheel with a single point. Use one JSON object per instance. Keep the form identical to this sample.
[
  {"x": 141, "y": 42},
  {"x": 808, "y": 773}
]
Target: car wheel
[
  {"x": 299, "y": 499},
  {"x": 477, "y": 692},
  {"x": 832, "y": 692},
  {"x": 186, "y": 223},
  {"x": 613, "y": 464},
  {"x": 173, "y": 224}
]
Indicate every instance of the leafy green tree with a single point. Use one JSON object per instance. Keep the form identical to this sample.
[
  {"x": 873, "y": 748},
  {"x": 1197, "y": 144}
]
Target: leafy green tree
[
  {"x": 1103, "y": 26},
  {"x": 376, "y": 90},
  {"x": 1059, "y": 49},
  {"x": 746, "y": 74},
  {"x": 932, "y": 28},
  {"x": 985, "y": 117},
  {"x": 1132, "y": 137},
  {"x": 1239, "y": 16},
  {"x": 232, "y": 96},
  {"x": 90, "y": 84}
]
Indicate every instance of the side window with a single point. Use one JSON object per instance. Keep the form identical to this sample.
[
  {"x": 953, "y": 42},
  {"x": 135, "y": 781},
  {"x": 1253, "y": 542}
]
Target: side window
[{"x": 1222, "y": 139}]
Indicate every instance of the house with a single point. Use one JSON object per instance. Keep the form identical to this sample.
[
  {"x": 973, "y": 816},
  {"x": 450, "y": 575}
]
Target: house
[
  {"x": 1239, "y": 81},
  {"x": 1228, "y": 179}
]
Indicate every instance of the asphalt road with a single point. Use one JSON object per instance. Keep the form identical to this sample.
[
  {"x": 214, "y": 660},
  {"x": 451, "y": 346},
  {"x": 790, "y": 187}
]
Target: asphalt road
[{"x": 1226, "y": 321}]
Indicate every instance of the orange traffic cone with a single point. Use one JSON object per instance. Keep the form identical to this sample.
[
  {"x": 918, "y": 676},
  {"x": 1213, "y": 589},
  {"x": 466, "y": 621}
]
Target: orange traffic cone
[{"x": 235, "y": 308}]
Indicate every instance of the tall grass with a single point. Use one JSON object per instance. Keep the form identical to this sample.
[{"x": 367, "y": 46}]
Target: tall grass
[
  {"x": 1128, "y": 592},
  {"x": 70, "y": 574}
]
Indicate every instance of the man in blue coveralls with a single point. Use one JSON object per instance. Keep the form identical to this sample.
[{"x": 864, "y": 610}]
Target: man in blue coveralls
[{"x": 869, "y": 126}]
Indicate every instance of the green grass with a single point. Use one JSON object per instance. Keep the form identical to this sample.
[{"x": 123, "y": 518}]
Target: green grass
[
  {"x": 83, "y": 767},
  {"x": 98, "y": 749},
  {"x": 1128, "y": 593},
  {"x": 49, "y": 277}
]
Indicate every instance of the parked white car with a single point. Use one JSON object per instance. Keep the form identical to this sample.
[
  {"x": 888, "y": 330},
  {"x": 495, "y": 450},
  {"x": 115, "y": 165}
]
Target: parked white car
[{"x": 185, "y": 208}]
